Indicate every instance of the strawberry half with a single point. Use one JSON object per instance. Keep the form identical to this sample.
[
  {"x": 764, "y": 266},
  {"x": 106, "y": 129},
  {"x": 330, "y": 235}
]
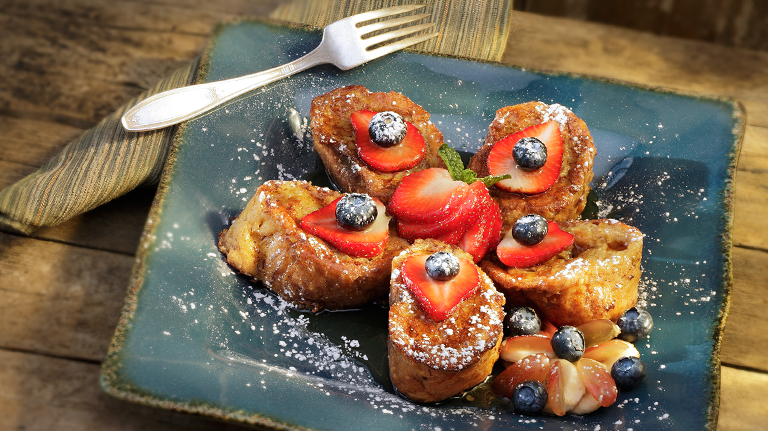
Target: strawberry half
[
  {"x": 484, "y": 232},
  {"x": 366, "y": 243},
  {"x": 516, "y": 255},
  {"x": 438, "y": 298},
  {"x": 427, "y": 196},
  {"x": 501, "y": 161},
  {"x": 404, "y": 155}
]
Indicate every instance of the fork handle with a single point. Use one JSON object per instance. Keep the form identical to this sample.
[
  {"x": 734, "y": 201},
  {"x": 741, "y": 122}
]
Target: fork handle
[{"x": 180, "y": 104}]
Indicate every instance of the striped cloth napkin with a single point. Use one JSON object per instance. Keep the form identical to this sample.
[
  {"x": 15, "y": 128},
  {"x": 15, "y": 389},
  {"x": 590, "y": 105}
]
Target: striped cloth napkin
[{"x": 107, "y": 162}]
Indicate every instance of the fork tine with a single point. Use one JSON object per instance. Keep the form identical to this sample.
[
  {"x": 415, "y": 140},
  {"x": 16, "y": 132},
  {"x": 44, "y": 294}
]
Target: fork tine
[
  {"x": 400, "y": 44},
  {"x": 381, "y": 25},
  {"x": 381, "y": 13},
  {"x": 397, "y": 33}
]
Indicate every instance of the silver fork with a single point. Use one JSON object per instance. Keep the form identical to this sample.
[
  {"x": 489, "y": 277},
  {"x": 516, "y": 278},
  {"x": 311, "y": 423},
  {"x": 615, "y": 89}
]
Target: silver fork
[{"x": 344, "y": 44}]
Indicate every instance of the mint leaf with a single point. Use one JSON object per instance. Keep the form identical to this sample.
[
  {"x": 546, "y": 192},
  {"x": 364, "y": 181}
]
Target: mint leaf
[
  {"x": 469, "y": 176},
  {"x": 490, "y": 180},
  {"x": 452, "y": 160}
]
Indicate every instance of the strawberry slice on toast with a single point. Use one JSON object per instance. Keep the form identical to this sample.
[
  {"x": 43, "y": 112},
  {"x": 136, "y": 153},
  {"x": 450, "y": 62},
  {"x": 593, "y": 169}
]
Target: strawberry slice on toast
[
  {"x": 437, "y": 297},
  {"x": 516, "y": 255},
  {"x": 501, "y": 160},
  {"x": 366, "y": 243},
  {"x": 404, "y": 155}
]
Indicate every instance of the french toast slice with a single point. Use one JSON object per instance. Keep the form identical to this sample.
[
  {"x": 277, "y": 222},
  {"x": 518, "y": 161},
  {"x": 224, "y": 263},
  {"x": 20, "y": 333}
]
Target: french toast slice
[
  {"x": 265, "y": 242},
  {"x": 431, "y": 360},
  {"x": 334, "y": 138},
  {"x": 567, "y": 197},
  {"x": 595, "y": 278}
]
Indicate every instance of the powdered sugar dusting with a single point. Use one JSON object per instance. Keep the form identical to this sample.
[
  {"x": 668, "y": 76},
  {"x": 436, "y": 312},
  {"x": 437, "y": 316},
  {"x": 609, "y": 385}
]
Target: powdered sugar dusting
[
  {"x": 438, "y": 348},
  {"x": 556, "y": 112}
]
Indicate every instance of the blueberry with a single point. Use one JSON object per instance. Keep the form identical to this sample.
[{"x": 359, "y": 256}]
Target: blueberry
[
  {"x": 628, "y": 372},
  {"x": 387, "y": 128},
  {"x": 635, "y": 324},
  {"x": 522, "y": 321},
  {"x": 529, "y": 397},
  {"x": 568, "y": 343},
  {"x": 530, "y": 154},
  {"x": 442, "y": 266},
  {"x": 356, "y": 211},
  {"x": 530, "y": 229}
]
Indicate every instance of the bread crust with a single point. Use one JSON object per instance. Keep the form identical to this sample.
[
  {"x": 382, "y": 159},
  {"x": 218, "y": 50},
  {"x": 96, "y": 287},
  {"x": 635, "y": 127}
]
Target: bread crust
[
  {"x": 596, "y": 278},
  {"x": 430, "y": 361},
  {"x": 567, "y": 197},
  {"x": 334, "y": 138},
  {"x": 266, "y": 243}
]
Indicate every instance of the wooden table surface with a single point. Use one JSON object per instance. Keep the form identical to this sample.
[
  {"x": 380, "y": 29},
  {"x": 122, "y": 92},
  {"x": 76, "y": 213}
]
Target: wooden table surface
[{"x": 67, "y": 64}]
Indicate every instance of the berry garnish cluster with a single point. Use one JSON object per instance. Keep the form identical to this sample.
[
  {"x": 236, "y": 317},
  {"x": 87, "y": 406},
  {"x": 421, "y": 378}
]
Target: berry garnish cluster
[
  {"x": 532, "y": 240},
  {"x": 569, "y": 370},
  {"x": 439, "y": 281},
  {"x": 531, "y": 157},
  {"x": 386, "y": 142},
  {"x": 355, "y": 224}
]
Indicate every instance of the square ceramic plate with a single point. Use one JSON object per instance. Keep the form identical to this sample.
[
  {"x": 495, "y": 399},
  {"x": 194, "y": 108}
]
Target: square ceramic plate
[{"x": 196, "y": 337}]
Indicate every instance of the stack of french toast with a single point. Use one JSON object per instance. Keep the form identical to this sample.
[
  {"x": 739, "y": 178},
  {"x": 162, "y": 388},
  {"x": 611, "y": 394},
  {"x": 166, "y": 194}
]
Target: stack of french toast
[{"x": 451, "y": 249}]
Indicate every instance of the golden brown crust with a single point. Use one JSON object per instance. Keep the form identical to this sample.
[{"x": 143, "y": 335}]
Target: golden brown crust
[
  {"x": 430, "y": 361},
  {"x": 566, "y": 199},
  {"x": 596, "y": 278},
  {"x": 266, "y": 243},
  {"x": 334, "y": 138}
]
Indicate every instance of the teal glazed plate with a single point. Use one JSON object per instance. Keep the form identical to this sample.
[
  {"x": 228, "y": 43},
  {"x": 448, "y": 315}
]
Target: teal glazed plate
[{"x": 197, "y": 337}]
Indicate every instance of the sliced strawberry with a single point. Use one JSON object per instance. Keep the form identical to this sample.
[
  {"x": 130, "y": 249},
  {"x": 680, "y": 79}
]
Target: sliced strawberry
[
  {"x": 532, "y": 367},
  {"x": 466, "y": 214},
  {"x": 405, "y": 155},
  {"x": 484, "y": 232},
  {"x": 453, "y": 236},
  {"x": 598, "y": 381},
  {"x": 427, "y": 196},
  {"x": 516, "y": 255},
  {"x": 516, "y": 348},
  {"x": 501, "y": 161},
  {"x": 366, "y": 243},
  {"x": 439, "y": 298}
]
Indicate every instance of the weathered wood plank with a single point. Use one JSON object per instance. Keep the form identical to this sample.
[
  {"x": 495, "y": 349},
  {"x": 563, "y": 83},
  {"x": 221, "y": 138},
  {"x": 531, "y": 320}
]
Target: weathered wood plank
[
  {"x": 58, "y": 299},
  {"x": 734, "y": 23},
  {"x": 742, "y": 400},
  {"x": 751, "y": 191},
  {"x": 32, "y": 141},
  {"x": 566, "y": 45},
  {"x": 745, "y": 339}
]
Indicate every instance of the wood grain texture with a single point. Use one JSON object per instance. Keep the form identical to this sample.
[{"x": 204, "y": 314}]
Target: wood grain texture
[
  {"x": 66, "y": 64},
  {"x": 66, "y": 300},
  {"x": 739, "y": 23}
]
